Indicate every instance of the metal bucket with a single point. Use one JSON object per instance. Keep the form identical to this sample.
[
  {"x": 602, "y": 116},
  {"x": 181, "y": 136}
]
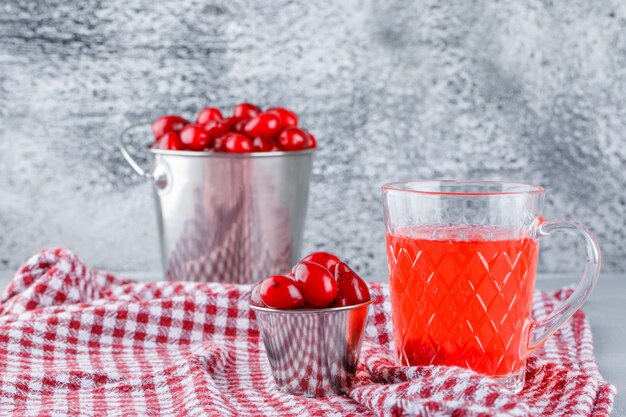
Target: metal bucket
[{"x": 233, "y": 218}]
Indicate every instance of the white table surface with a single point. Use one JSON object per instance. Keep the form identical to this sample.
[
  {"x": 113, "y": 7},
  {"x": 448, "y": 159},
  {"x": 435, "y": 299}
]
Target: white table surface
[{"x": 606, "y": 310}]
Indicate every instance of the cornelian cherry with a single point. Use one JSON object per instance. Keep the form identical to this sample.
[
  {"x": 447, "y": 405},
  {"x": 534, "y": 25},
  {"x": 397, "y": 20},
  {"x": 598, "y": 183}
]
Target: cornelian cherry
[
  {"x": 255, "y": 295},
  {"x": 169, "y": 141},
  {"x": 231, "y": 122},
  {"x": 312, "y": 141},
  {"x": 207, "y": 114},
  {"x": 327, "y": 260},
  {"x": 238, "y": 127},
  {"x": 317, "y": 284},
  {"x": 351, "y": 289},
  {"x": 272, "y": 130},
  {"x": 263, "y": 145},
  {"x": 234, "y": 143},
  {"x": 264, "y": 125},
  {"x": 280, "y": 292},
  {"x": 293, "y": 139},
  {"x": 287, "y": 117},
  {"x": 245, "y": 111},
  {"x": 218, "y": 145},
  {"x": 195, "y": 138},
  {"x": 168, "y": 123},
  {"x": 215, "y": 129}
]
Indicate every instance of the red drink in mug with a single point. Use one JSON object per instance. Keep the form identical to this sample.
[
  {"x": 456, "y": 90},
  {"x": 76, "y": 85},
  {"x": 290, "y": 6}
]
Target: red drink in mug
[{"x": 462, "y": 258}]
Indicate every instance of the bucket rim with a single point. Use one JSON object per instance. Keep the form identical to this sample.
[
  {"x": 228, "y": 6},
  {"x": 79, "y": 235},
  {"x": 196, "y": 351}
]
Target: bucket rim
[
  {"x": 212, "y": 154},
  {"x": 325, "y": 310}
]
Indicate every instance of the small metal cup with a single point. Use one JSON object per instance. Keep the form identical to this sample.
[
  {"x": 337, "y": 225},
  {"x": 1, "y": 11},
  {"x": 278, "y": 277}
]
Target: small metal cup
[{"x": 313, "y": 353}]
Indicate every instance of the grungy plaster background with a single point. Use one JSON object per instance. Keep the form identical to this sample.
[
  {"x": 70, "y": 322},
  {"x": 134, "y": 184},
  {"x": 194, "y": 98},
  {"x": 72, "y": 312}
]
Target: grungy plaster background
[{"x": 524, "y": 90}]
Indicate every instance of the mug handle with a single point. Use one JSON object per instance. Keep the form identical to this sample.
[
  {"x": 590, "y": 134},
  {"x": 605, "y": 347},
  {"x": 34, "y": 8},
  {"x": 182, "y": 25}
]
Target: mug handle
[{"x": 543, "y": 329}]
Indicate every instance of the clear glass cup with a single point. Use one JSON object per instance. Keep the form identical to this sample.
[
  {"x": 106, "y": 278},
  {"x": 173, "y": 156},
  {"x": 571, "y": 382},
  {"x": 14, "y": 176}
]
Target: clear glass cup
[{"x": 462, "y": 258}]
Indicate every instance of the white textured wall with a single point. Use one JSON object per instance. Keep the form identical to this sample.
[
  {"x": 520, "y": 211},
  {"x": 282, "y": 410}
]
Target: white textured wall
[{"x": 525, "y": 90}]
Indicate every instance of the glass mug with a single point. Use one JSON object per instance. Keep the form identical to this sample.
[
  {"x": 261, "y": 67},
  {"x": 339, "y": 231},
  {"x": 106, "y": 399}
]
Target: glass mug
[{"x": 462, "y": 257}]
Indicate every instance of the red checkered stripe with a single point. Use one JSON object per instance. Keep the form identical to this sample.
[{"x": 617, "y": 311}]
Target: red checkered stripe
[{"x": 78, "y": 341}]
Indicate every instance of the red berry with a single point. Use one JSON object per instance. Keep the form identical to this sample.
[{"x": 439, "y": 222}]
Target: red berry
[
  {"x": 351, "y": 289},
  {"x": 218, "y": 145},
  {"x": 169, "y": 141},
  {"x": 231, "y": 122},
  {"x": 287, "y": 117},
  {"x": 263, "y": 145},
  {"x": 168, "y": 123},
  {"x": 316, "y": 283},
  {"x": 327, "y": 260},
  {"x": 293, "y": 139},
  {"x": 238, "y": 127},
  {"x": 195, "y": 138},
  {"x": 215, "y": 129},
  {"x": 312, "y": 141},
  {"x": 245, "y": 111},
  {"x": 234, "y": 143},
  {"x": 207, "y": 114},
  {"x": 255, "y": 295},
  {"x": 264, "y": 125},
  {"x": 280, "y": 292}
]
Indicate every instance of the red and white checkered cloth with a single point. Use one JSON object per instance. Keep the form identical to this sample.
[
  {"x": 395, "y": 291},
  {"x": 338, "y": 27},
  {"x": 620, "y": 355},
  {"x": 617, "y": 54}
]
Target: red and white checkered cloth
[{"x": 79, "y": 341}]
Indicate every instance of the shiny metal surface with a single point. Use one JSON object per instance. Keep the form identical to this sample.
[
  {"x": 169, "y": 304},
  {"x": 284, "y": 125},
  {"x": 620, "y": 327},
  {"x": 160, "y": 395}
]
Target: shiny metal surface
[
  {"x": 313, "y": 353},
  {"x": 228, "y": 217}
]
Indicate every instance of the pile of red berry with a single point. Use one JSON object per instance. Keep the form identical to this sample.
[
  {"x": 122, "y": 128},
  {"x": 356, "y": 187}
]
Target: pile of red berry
[
  {"x": 248, "y": 130},
  {"x": 319, "y": 280}
]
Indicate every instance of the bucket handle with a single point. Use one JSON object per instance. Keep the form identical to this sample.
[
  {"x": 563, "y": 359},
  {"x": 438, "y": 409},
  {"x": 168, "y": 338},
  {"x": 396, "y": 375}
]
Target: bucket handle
[{"x": 128, "y": 157}]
